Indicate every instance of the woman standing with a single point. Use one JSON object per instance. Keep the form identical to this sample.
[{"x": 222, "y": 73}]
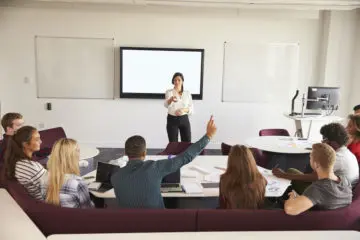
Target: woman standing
[
  {"x": 242, "y": 186},
  {"x": 180, "y": 106}
]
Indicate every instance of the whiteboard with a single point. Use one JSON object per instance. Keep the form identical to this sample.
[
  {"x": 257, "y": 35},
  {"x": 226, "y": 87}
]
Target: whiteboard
[
  {"x": 74, "y": 67},
  {"x": 260, "y": 72}
]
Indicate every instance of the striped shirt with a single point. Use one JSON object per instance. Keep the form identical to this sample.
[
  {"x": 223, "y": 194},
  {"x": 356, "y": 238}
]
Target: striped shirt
[
  {"x": 74, "y": 193},
  {"x": 29, "y": 174}
]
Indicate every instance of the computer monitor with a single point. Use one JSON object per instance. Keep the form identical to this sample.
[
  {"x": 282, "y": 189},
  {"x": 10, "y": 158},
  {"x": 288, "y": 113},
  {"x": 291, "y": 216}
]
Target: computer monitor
[{"x": 324, "y": 98}]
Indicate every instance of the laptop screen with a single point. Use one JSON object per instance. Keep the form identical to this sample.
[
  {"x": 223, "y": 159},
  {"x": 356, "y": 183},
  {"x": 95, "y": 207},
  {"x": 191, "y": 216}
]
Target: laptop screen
[
  {"x": 104, "y": 172},
  {"x": 172, "y": 177}
]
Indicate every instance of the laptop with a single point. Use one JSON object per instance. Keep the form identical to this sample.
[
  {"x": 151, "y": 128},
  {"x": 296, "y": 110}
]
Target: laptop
[
  {"x": 104, "y": 172},
  {"x": 171, "y": 183}
]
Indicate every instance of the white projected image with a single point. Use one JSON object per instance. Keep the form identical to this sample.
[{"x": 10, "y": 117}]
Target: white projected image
[{"x": 149, "y": 71}]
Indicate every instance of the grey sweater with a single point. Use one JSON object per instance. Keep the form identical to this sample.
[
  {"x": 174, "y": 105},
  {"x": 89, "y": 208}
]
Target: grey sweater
[{"x": 137, "y": 185}]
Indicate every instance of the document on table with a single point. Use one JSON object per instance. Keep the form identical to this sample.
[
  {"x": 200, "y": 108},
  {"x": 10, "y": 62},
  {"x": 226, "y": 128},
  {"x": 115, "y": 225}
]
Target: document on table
[{"x": 275, "y": 186}]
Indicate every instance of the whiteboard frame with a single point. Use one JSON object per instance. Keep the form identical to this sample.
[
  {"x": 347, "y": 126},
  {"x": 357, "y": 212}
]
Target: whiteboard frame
[
  {"x": 88, "y": 38},
  {"x": 224, "y": 65}
]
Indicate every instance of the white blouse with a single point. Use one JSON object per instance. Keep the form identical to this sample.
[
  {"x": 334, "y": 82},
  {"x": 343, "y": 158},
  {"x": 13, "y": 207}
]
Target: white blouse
[{"x": 183, "y": 101}]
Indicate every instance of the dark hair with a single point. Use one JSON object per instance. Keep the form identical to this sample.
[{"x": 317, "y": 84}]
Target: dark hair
[
  {"x": 7, "y": 120},
  {"x": 135, "y": 146},
  {"x": 178, "y": 74},
  {"x": 15, "y": 152},
  {"x": 335, "y": 132},
  {"x": 357, "y": 107},
  {"x": 355, "y": 118}
]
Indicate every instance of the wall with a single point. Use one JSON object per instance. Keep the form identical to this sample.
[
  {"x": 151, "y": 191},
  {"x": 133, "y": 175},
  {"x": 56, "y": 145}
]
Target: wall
[
  {"x": 355, "y": 96},
  {"x": 109, "y": 122}
]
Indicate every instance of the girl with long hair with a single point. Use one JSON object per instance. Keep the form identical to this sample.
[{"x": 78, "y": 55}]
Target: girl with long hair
[
  {"x": 18, "y": 160},
  {"x": 242, "y": 186},
  {"x": 64, "y": 186}
]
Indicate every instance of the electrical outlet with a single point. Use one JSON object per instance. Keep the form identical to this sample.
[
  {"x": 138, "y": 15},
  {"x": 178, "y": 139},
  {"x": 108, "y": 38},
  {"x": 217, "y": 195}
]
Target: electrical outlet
[{"x": 41, "y": 125}]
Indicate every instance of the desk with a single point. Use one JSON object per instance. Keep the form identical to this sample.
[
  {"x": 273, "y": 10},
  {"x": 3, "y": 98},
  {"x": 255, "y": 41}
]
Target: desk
[
  {"x": 206, "y": 162},
  {"x": 278, "y": 144},
  {"x": 298, "y": 235},
  {"x": 87, "y": 152},
  {"x": 299, "y": 123},
  {"x": 14, "y": 223}
]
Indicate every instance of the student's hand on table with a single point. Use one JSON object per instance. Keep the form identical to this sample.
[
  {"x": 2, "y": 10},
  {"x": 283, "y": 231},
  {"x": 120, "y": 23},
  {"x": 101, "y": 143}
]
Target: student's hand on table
[
  {"x": 211, "y": 128},
  {"x": 278, "y": 172}
]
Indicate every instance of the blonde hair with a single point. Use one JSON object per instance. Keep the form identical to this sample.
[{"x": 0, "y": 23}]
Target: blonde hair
[
  {"x": 324, "y": 155},
  {"x": 64, "y": 159}
]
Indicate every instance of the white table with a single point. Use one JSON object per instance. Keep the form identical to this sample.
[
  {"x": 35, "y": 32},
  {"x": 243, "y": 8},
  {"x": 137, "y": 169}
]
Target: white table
[
  {"x": 300, "y": 122},
  {"x": 279, "y": 144},
  {"x": 298, "y": 235},
  {"x": 87, "y": 152},
  {"x": 207, "y": 162},
  {"x": 14, "y": 223}
]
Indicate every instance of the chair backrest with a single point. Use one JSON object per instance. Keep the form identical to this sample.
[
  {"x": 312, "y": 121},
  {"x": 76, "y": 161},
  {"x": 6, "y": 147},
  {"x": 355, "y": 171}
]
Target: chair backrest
[
  {"x": 273, "y": 132},
  {"x": 48, "y": 138},
  {"x": 260, "y": 157},
  {"x": 225, "y": 149},
  {"x": 175, "y": 148}
]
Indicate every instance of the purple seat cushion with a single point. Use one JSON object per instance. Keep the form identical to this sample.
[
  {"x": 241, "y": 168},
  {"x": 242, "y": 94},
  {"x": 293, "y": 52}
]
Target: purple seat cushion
[
  {"x": 276, "y": 220},
  {"x": 56, "y": 220}
]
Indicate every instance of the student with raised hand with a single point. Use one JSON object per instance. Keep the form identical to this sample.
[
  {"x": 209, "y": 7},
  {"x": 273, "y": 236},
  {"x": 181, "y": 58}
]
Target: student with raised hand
[
  {"x": 353, "y": 129},
  {"x": 10, "y": 122},
  {"x": 329, "y": 191},
  {"x": 63, "y": 186},
  {"x": 137, "y": 185},
  {"x": 18, "y": 160},
  {"x": 335, "y": 135},
  {"x": 242, "y": 186}
]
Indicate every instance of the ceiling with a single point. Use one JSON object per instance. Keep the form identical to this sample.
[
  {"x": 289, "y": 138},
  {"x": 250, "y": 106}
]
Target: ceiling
[{"x": 252, "y": 4}]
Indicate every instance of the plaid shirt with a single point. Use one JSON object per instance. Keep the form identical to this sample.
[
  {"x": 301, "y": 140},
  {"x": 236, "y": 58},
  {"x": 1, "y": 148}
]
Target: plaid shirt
[{"x": 74, "y": 193}]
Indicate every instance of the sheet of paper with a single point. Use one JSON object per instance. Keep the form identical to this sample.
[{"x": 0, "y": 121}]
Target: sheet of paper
[
  {"x": 193, "y": 187},
  {"x": 275, "y": 186}
]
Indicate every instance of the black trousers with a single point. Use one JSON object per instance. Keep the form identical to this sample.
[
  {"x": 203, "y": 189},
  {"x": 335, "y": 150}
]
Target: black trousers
[{"x": 176, "y": 123}]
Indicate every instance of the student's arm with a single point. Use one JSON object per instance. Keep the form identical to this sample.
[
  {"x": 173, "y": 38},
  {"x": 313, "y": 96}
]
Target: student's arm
[
  {"x": 84, "y": 196},
  {"x": 168, "y": 166},
  {"x": 296, "y": 205},
  {"x": 307, "y": 177},
  {"x": 38, "y": 172}
]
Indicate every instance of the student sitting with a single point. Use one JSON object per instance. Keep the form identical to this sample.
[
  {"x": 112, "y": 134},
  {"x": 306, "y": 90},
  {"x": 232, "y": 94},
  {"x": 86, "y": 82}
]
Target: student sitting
[
  {"x": 242, "y": 186},
  {"x": 18, "y": 162},
  {"x": 137, "y": 185},
  {"x": 10, "y": 122},
  {"x": 334, "y": 134},
  {"x": 329, "y": 191},
  {"x": 353, "y": 129},
  {"x": 63, "y": 186}
]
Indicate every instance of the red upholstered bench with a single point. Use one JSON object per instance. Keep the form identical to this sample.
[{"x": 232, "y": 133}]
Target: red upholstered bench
[
  {"x": 55, "y": 220},
  {"x": 276, "y": 220}
]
